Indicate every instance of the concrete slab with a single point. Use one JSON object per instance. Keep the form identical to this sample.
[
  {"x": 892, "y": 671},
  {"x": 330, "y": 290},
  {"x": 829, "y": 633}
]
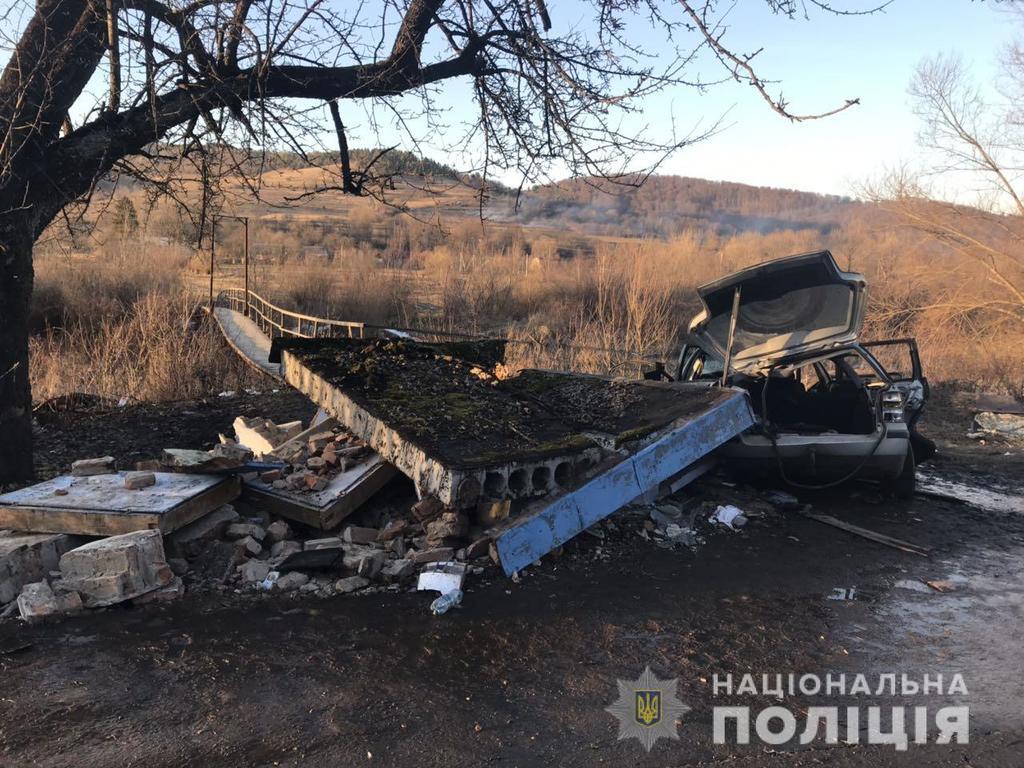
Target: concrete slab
[
  {"x": 102, "y": 506},
  {"x": 461, "y": 434},
  {"x": 325, "y": 509}
]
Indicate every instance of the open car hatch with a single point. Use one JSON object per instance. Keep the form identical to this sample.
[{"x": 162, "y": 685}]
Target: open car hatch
[{"x": 791, "y": 306}]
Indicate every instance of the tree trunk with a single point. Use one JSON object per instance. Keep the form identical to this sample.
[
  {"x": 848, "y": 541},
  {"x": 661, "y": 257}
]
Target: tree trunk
[{"x": 15, "y": 391}]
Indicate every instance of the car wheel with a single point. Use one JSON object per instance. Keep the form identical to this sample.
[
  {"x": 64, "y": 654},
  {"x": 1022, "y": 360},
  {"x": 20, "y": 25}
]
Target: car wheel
[{"x": 904, "y": 485}]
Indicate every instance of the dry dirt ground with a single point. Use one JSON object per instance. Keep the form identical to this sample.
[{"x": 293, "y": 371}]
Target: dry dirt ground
[{"x": 521, "y": 674}]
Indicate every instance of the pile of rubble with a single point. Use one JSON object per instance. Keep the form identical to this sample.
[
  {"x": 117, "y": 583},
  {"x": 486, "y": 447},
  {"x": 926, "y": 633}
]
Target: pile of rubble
[
  {"x": 309, "y": 465},
  {"x": 385, "y": 548}
]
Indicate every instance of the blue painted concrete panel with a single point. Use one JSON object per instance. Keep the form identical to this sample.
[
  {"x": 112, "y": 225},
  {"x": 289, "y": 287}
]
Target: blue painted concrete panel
[{"x": 537, "y": 534}]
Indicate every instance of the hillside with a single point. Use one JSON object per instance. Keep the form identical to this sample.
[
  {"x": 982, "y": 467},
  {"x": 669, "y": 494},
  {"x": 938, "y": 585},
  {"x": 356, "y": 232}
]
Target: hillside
[{"x": 667, "y": 205}]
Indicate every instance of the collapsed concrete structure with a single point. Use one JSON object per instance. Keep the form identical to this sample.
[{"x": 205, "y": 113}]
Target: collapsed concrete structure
[
  {"x": 460, "y": 433},
  {"x": 584, "y": 445}
]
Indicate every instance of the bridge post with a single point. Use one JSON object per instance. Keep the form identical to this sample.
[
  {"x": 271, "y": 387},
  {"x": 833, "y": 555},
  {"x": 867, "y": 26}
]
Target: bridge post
[{"x": 245, "y": 219}]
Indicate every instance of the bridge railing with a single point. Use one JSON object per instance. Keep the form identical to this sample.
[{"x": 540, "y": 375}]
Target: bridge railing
[{"x": 277, "y": 321}]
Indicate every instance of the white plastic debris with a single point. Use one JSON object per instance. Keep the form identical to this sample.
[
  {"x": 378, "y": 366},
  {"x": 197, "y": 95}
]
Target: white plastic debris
[
  {"x": 729, "y": 516},
  {"x": 843, "y": 594},
  {"x": 444, "y": 576},
  {"x": 446, "y": 602},
  {"x": 268, "y": 583}
]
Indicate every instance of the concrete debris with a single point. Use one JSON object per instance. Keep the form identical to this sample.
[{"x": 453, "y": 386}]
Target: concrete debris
[
  {"x": 283, "y": 549},
  {"x": 393, "y": 530},
  {"x": 241, "y": 530},
  {"x": 27, "y": 558},
  {"x": 427, "y": 509},
  {"x": 782, "y": 500},
  {"x": 355, "y": 534},
  {"x": 172, "y": 591},
  {"x": 478, "y": 548},
  {"x": 248, "y": 547},
  {"x": 135, "y": 481},
  {"x": 332, "y": 542},
  {"x": 179, "y": 565},
  {"x": 315, "y": 483},
  {"x": 494, "y": 512},
  {"x": 253, "y": 571},
  {"x": 450, "y": 525},
  {"x": 278, "y": 531},
  {"x": 88, "y": 467},
  {"x": 115, "y": 569},
  {"x": 261, "y": 436},
  {"x": 351, "y": 584},
  {"x": 397, "y": 570},
  {"x": 370, "y": 565},
  {"x": 192, "y": 539},
  {"x": 38, "y": 601},
  {"x": 222, "y": 457},
  {"x": 290, "y": 581},
  {"x": 431, "y": 555}
]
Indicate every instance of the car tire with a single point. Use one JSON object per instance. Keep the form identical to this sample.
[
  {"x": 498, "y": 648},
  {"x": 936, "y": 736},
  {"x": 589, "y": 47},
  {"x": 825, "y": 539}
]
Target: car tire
[{"x": 905, "y": 483}]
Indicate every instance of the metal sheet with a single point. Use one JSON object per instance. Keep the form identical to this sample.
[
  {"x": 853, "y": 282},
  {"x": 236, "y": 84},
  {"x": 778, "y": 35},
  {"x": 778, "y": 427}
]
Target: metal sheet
[{"x": 551, "y": 523}]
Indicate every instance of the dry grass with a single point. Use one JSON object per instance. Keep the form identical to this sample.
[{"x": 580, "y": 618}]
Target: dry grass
[
  {"x": 599, "y": 304},
  {"x": 134, "y": 334}
]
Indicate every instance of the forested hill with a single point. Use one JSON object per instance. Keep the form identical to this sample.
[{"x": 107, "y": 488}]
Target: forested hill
[{"x": 666, "y": 205}]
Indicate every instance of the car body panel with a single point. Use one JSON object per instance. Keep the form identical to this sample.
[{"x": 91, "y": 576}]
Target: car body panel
[{"x": 788, "y": 307}]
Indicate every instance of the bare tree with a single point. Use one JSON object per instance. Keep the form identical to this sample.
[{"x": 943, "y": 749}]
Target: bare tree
[
  {"x": 975, "y": 145},
  {"x": 97, "y": 87}
]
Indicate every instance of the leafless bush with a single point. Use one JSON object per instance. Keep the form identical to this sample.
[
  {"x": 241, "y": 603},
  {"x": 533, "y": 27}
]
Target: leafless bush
[{"x": 157, "y": 350}]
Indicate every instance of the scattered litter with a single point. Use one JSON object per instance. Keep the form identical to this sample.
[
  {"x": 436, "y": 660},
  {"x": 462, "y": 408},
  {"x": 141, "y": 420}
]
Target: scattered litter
[
  {"x": 1008, "y": 425},
  {"x": 271, "y": 579},
  {"x": 941, "y": 585},
  {"x": 729, "y": 516},
  {"x": 443, "y": 577},
  {"x": 446, "y": 602},
  {"x": 843, "y": 593}
]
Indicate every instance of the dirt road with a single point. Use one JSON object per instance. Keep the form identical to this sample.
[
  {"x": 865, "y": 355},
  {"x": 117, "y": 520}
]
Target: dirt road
[{"x": 522, "y": 673}]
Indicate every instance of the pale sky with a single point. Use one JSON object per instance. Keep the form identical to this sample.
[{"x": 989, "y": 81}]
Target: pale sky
[{"x": 819, "y": 63}]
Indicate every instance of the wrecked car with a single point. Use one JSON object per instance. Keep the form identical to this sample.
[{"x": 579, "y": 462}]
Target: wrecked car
[{"x": 786, "y": 332}]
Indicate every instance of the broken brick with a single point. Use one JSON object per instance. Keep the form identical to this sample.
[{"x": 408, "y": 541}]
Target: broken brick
[
  {"x": 86, "y": 467},
  {"x": 137, "y": 480},
  {"x": 427, "y": 509}
]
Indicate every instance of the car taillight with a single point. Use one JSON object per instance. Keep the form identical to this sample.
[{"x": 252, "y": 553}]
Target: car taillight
[{"x": 892, "y": 405}]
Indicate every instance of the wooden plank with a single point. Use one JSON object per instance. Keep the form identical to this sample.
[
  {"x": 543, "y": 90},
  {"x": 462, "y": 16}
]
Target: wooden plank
[{"x": 865, "y": 533}]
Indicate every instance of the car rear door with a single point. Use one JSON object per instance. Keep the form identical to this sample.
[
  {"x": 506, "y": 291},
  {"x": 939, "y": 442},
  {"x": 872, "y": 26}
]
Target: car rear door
[{"x": 901, "y": 359}]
